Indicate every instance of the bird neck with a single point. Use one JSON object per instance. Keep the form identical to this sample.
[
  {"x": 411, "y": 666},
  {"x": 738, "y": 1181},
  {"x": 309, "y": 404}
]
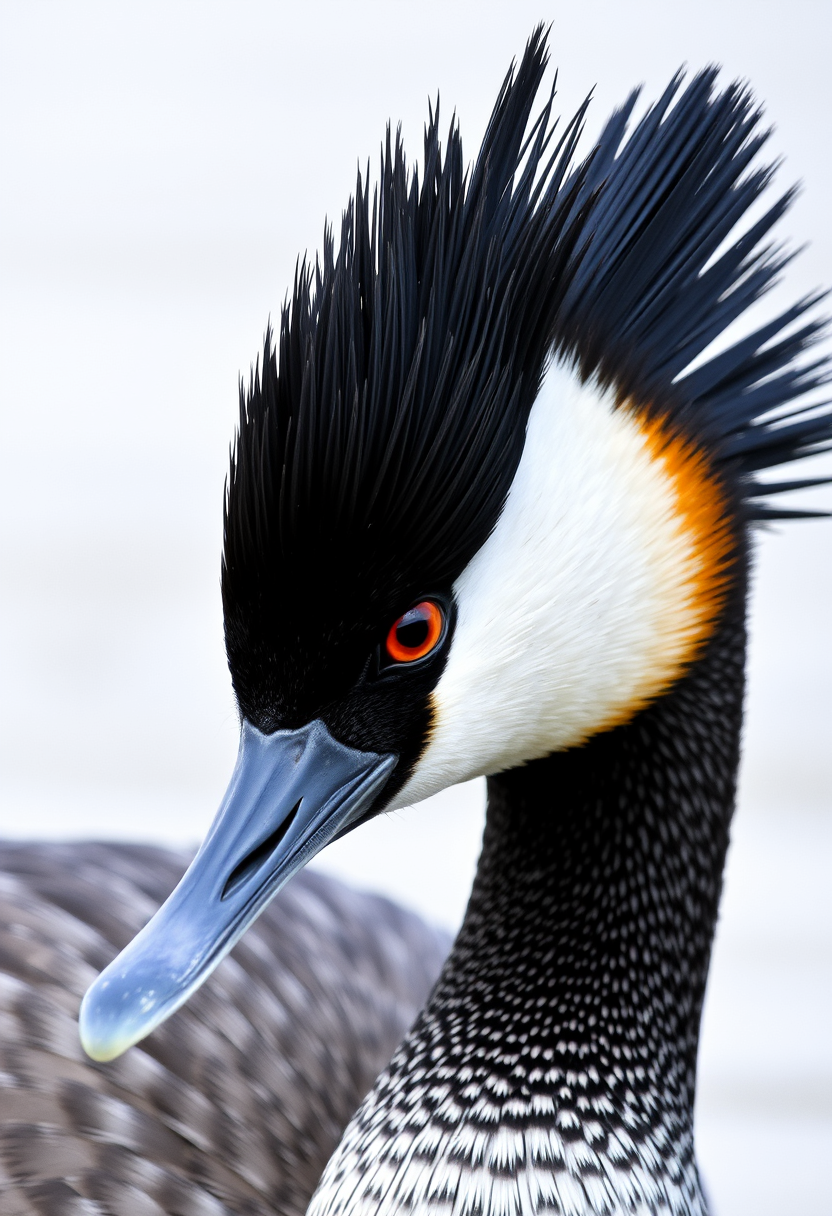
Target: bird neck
[{"x": 555, "y": 1063}]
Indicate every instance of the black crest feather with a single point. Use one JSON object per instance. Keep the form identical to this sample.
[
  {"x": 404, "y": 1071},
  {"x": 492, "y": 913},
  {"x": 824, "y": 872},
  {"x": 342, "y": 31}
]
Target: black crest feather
[
  {"x": 649, "y": 295},
  {"x": 378, "y": 441}
]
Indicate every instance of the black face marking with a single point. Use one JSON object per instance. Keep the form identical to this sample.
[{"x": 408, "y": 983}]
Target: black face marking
[{"x": 388, "y": 709}]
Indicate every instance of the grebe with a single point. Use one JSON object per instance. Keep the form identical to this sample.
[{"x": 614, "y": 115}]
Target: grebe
[{"x": 489, "y": 513}]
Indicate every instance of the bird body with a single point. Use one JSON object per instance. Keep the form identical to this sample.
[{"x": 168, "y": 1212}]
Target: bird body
[
  {"x": 232, "y": 1107},
  {"x": 489, "y": 513}
]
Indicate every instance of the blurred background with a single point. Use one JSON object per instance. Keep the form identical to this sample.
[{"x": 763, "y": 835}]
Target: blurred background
[{"x": 161, "y": 166}]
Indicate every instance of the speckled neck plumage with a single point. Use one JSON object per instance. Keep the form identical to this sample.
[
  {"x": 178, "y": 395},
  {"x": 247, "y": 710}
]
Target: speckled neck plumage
[{"x": 554, "y": 1067}]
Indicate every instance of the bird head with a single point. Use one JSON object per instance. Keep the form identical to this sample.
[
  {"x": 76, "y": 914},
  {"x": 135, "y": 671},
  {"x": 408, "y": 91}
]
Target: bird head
[{"x": 478, "y": 510}]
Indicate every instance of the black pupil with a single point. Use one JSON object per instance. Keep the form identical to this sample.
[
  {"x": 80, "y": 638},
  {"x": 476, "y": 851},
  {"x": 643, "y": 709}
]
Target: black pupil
[{"x": 412, "y": 630}]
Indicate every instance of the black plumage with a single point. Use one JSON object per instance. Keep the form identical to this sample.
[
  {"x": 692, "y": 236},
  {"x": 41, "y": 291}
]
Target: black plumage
[
  {"x": 378, "y": 443},
  {"x": 654, "y": 286}
]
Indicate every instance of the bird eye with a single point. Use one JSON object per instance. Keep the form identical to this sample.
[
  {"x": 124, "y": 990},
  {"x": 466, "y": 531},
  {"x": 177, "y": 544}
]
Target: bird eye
[{"x": 416, "y": 633}]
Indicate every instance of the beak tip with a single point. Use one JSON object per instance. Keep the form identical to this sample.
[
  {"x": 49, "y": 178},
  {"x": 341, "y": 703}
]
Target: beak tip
[
  {"x": 100, "y": 1050},
  {"x": 101, "y": 1053},
  {"x": 101, "y": 1037}
]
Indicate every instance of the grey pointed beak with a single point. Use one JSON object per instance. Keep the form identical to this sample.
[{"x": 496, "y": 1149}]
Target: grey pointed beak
[{"x": 290, "y": 794}]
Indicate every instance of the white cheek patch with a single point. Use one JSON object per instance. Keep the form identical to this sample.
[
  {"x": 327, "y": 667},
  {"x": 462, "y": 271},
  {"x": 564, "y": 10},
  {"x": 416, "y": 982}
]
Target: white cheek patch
[{"x": 596, "y": 588}]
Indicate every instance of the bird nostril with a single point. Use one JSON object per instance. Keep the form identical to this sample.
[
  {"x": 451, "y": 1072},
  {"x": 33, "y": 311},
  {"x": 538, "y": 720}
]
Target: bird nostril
[{"x": 257, "y": 856}]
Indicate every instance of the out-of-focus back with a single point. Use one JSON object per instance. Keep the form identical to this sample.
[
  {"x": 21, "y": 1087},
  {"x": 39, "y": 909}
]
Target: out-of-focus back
[{"x": 237, "y": 1102}]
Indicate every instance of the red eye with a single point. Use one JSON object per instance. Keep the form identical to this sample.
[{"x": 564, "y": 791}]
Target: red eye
[{"x": 416, "y": 633}]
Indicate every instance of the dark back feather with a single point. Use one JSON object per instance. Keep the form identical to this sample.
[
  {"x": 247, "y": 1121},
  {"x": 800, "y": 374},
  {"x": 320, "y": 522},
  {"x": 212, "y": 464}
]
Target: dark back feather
[{"x": 235, "y": 1104}]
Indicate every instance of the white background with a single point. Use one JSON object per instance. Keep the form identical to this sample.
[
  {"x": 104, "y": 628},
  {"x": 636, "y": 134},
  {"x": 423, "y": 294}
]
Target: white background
[{"x": 161, "y": 165}]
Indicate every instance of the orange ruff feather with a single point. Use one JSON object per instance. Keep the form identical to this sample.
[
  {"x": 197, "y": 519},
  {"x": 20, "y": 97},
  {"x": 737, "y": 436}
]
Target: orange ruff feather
[{"x": 706, "y": 521}]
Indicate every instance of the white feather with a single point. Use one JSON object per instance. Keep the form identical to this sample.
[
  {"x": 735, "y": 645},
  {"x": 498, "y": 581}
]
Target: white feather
[{"x": 578, "y": 608}]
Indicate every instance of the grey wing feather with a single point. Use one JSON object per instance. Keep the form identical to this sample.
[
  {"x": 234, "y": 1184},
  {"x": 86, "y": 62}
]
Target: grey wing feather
[{"x": 236, "y": 1103}]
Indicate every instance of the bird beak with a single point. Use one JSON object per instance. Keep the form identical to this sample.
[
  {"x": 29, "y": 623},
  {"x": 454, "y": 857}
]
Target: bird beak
[{"x": 290, "y": 794}]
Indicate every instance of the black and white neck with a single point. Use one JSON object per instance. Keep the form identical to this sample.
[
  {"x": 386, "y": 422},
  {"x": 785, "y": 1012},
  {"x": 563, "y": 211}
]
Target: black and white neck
[{"x": 554, "y": 1067}]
